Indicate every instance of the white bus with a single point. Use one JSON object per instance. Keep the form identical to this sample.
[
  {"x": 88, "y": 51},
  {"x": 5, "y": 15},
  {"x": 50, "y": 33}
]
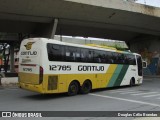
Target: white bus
[{"x": 51, "y": 66}]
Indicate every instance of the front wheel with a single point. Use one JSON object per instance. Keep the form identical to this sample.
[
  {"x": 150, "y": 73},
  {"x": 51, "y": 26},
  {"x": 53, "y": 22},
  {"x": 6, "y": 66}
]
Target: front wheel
[
  {"x": 73, "y": 88},
  {"x": 86, "y": 87},
  {"x": 132, "y": 82}
]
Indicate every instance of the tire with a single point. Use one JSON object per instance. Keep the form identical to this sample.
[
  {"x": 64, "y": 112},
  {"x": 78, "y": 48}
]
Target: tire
[
  {"x": 132, "y": 82},
  {"x": 73, "y": 88},
  {"x": 86, "y": 87}
]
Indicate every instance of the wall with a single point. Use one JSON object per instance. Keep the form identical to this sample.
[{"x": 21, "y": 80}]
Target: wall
[{"x": 149, "y": 48}]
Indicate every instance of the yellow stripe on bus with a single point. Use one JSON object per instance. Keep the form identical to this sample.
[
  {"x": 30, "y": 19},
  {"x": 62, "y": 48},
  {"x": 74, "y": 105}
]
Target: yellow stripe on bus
[{"x": 110, "y": 72}]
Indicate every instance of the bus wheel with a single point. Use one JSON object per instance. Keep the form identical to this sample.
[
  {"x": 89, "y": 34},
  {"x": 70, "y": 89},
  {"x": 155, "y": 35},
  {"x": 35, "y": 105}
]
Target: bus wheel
[
  {"x": 132, "y": 82},
  {"x": 73, "y": 88},
  {"x": 86, "y": 87}
]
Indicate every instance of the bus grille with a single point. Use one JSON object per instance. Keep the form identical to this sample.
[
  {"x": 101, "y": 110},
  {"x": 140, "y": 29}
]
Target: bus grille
[{"x": 52, "y": 82}]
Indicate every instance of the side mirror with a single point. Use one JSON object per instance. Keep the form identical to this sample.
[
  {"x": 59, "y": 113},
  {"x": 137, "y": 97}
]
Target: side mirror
[{"x": 144, "y": 64}]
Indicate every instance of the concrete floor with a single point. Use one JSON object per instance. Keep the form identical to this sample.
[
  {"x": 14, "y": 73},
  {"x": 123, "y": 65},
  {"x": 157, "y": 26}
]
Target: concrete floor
[{"x": 145, "y": 97}]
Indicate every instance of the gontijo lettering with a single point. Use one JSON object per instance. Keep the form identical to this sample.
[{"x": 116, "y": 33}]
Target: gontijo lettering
[
  {"x": 29, "y": 53},
  {"x": 90, "y": 68}
]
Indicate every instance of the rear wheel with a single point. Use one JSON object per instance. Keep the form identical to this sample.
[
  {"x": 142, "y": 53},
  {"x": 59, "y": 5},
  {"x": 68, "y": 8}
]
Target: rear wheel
[
  {"x": 86, "y": 87},
  {"x": 73, "y": 88}
]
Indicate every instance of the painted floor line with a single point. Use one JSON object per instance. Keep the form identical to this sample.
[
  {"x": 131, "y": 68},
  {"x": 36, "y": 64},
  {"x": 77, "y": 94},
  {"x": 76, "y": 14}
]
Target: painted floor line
[
  {"x": 128, "y": 100},
  {"x": 144, "y": 93},
  {"x": 117, "y": 91},
  {"x": 151, "y": 95},
  {"x": 130, "y": 92},
  {"x": 8, "y": 89},
  {"x": 12, "y": 89}
]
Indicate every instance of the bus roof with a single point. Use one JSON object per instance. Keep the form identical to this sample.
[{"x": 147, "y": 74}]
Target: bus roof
[{"x": 90, "y": 46}]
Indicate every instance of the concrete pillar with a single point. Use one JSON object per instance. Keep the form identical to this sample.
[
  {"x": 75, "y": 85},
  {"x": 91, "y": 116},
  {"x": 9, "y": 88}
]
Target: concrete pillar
[
  {"x": 12, "y": 58},
  {"x": 54, "y": 28}
]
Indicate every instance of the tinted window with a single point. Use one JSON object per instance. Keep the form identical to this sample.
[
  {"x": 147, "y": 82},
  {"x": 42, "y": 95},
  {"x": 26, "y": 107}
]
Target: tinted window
[
  {"x": 109, "y": 57},
  {"x": 97, "y": 57},
  {"x": 55, "y": 52},
  {"x": 72, "y": 54},
  {"x": 90, "y": 56},
  {"x": 130, "y": 59},
  {"x": 84, "y": 55},
  {"x": 119, "y": 58},
  {"x": 75, "y": 54}
]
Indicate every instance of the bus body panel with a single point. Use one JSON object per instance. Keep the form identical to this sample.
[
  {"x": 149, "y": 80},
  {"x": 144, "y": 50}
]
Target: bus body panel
[
  {"x": 57, "y": 75},
  {"x": 29, "y": 64}
]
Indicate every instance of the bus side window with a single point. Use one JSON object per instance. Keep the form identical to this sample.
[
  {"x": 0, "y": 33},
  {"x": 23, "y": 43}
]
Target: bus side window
[
  {"x": 90, "y": 56},
  {"x": 73, "y": 54},
  {"x": 54, "y": 52},
  {"x": 121, "y": 59},
  {"x": 112, "y": 58},
  {"x": 67, "y": 57},
  {"x": 131, "y": 59},
  {"x": 78, "y": 55},
  {"x": 70, "y": 56},
  {"x": 116, "y": 58},
  {"x": 96, "y": 58},
  {"x": 103, "y": 60},
  {"x": 109, "y": 58},
  {"x": 99, "y": 57},
  {"x": 126, "y": 60},
  {"x": 86, "y": 55},
  {"x": 83, "y": 55}
]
